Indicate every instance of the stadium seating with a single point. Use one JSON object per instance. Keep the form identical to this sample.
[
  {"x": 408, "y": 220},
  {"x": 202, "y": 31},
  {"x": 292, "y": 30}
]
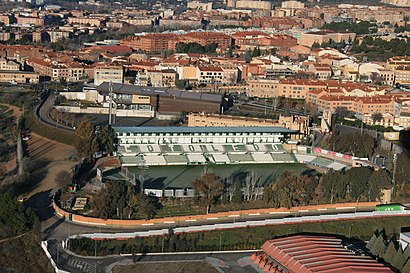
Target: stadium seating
[
  {"x": 176, "y": 159},
  {"x": 155, "y": 160},
  {"x": 131, "y": 160},
  {"x": 196, "y": 158},
  {"x": 262, "y": 158},
  {"x": 240, "y": 158},
  {"x": 221, "y": 158},
  {"x": 323, "y": 162},
  {"x": 150, "y": 148},
  {"x": 336, "y": 166},
  {"x": 275, "y": 148},
  {"x": 284, "y": 158}
]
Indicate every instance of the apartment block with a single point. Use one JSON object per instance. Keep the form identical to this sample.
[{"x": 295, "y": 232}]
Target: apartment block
[
  {"x": 108, "y": 73},
  {"x": 158, "y": 78},
  {"x": 57, "y": 70},
  {"x": 8, "y": 76}
]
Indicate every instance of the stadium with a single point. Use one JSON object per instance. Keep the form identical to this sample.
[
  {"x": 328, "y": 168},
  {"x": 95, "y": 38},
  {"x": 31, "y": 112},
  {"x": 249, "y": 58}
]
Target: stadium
[{"x": 171, "y": 158}]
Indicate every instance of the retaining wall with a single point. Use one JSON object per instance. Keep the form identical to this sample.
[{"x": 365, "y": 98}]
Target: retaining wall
[{"x": 212, "y": 216}]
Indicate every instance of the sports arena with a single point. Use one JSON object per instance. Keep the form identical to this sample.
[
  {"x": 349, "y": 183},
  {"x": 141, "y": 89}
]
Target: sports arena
[{"x": 170, "y": 158}]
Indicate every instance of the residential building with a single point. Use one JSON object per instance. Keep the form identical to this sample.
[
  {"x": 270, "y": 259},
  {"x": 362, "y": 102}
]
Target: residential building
[
  {"x": 108, "y": 73},
  {"x": 9, "y": 65},
  {"x": 86, "y": 21},
  {"x": 296, "y": 123},
  {"x": 199, "y": 5},
  {"x": 158, "y": 78},
  {"x": 323, "y": 37},
  {"x": 9, "y": 76},
  {"x": 249, "y": 4},
  {"x": 321, "y": 71},
  {"x": 70, "y": 71}
]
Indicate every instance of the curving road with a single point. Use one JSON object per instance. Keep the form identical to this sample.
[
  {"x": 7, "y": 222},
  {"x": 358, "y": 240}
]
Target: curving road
[{"x": 43, "y": 113}]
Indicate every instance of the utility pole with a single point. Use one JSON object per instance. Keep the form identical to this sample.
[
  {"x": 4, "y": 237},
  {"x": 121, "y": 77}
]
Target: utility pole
[
  {"x": 394, "y": 171},
  {"x": 110, "y": 104},
  {"x": 143, "y": 167}
]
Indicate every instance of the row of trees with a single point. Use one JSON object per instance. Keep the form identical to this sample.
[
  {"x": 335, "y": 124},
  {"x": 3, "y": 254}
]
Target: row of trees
[
  {"x": 170, "y": 243},
  {"x": 118, "y": 200},
  {"x": 195, "y": 48},
  {"x": 292, "y": 189},
  {"x": 389, "y": 251},
  {"x": 382, "y": 49},
  {"x": 363, "y": 27}
]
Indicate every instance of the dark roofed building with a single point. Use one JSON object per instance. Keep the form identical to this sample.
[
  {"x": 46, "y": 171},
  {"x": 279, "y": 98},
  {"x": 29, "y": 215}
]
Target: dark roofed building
[
  {"x": 313, "y": 254},
  {"x": 166, "y": 100}
]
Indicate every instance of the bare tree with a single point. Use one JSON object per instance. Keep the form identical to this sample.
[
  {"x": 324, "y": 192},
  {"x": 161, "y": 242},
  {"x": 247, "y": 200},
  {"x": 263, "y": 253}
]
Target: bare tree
[{"x": 209, "y": 188}]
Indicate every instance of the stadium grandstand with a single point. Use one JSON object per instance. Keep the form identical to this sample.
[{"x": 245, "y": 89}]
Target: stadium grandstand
[
  {"x": 168, "y": 146},
  {"x": 157, "y": 146}
]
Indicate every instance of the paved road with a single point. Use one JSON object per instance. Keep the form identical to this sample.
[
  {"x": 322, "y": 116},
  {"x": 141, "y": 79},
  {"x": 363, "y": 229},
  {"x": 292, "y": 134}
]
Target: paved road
[
  {"x": 43, "y": 113},
  {"x": 229, "y": 262}
]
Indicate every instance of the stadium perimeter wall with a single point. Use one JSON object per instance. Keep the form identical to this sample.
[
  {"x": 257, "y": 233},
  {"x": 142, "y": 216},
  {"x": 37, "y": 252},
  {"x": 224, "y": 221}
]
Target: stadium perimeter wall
[{"x": 91, "y": 221}]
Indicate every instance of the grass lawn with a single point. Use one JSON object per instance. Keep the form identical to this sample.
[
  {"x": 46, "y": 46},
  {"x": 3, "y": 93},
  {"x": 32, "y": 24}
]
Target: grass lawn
[{"x": 174, "y": 267}]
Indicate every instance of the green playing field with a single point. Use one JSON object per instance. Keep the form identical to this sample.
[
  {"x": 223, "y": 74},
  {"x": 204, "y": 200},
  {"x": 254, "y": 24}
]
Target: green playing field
[{"x": 161, "y": 177}]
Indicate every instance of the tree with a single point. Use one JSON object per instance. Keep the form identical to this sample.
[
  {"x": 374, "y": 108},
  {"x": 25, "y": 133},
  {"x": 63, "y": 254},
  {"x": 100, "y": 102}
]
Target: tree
[
  {"x": 377, "y": 117},
  {"x": 14, "y": 218},
  {"x": 147, "y": 206},
  {"x": 380, "y": 246},
  {"x": 390, "y": 253},
  {"x": 315, "y": 45},
  {"x": 209, "y": 188},
  {"x": 406, "y": 267},
  {"x": 247, "y": 56},
  {"x": 402, "y": 170},
  {"x": 85, "y": 144},
  {"x": 378, "y": 180},
  {"x": 105, "y": 139},
  {"x": 358, "y": 179},
  {"x": 111, "y": 200},
  {"x": 290, "y": 190}
]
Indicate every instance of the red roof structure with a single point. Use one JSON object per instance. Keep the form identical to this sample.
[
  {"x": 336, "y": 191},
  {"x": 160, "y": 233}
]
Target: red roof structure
[{"x": 313, "y": 254}]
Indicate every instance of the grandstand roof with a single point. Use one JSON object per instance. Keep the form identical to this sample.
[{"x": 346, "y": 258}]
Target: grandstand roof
[
  {"x": 119, "y": 88},
  {"x": 221, "y": 129},
  {"x": 325, "y": 254}
]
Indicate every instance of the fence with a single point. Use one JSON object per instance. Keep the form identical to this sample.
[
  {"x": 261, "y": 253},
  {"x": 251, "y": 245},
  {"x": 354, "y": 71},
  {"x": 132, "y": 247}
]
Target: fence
[{"x": 80, "y": 219}]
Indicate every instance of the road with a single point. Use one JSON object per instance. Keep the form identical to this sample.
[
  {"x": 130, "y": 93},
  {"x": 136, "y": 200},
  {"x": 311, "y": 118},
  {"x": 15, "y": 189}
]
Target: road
[
  {"x": 43, "y": 113},
  {"x": 229, "y": 262}
]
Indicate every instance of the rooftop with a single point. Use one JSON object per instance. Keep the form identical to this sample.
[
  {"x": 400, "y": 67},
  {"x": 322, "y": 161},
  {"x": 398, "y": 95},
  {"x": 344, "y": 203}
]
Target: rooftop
[
  {"x": 325, "y": 254},
  {"x": 181, "y": 129},
  {"x": 130, "y": 89}
]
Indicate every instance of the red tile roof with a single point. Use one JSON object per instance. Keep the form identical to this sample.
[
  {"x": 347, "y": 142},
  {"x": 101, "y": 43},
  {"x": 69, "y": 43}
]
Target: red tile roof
[{"x": 313, "y": 254}]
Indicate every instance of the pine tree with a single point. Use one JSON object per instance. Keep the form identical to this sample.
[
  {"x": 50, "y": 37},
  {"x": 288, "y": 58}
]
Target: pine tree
[
  {"x": 398, "y": 259},
  {"x": 380, "y": 247},
  {"x": 404, "y": 258},
  {"x": 390, "y": 253},
  {"x": 406, "y": 267},
  {"x": 370, "y": 244}
]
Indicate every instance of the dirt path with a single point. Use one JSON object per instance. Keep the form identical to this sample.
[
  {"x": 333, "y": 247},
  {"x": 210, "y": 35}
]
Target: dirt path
[{"x": 49, "y": 158}]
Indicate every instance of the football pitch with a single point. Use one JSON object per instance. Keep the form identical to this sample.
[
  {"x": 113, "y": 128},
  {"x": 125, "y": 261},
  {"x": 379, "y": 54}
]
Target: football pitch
[{"x": 171, "y": 177}]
